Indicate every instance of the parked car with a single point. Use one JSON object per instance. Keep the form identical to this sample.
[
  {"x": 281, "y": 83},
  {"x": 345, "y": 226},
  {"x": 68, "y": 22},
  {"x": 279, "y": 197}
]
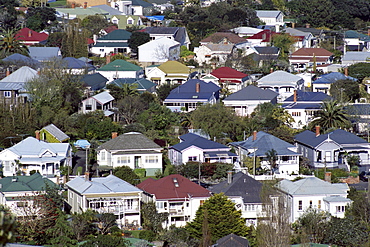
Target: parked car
[{"x": 364, "y": 176}]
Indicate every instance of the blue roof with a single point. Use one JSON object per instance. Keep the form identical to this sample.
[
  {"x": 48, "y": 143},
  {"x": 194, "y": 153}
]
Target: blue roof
[
  {"x": 302, "y": 106},
  {"x": 332, "y": 77},
  {"x": 188, "y": 90},
  {"x": 308, "y": 96},
  {"x": 264, "y": 143},
  {"x": 82, "y": 144},
  {"x": 339, "y": 136},
  {"x": 156, "y": 17},
  {"x": 16, "y": 57},
  {"x": 74, "y": 63},
  {"x": 252, "y": 92},
  {"x": 190, "y": 139}
]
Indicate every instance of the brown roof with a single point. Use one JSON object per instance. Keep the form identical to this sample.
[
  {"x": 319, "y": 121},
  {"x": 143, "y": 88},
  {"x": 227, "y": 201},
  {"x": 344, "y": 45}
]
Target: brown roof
[
  {"x": 219, "y": 36},
  {"x": 173, "y": 186},
  {"x": 311, "y": 51}
]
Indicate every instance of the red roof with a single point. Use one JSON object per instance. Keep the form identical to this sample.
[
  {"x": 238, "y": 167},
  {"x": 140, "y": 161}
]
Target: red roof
[
  {"x": 173, "y": 186},
  {"x": 218, "y": 37},
  {"x": 90, "y": 41},
  {"x": 228, "y": 74},
  {"x": 311, "y": 51},
  {"x": 26, "y": 34},
  {"x": 111, "y": 28},
  {"x": 265, "y": 35}
]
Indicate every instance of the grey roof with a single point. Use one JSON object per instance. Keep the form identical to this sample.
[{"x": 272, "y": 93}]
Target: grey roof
[
  {"x": 19, "y": 58},
  {"x": 179, "y": 33},
  {"x": 108, "y": 9},
  {"x": 56, "y": 132},
  {"x": 264, "y": 143},
  {"x": 12, "y": 86},
  {"x": 267, "y": 50},
  {"x": 232, "y": 240},
  {"x": 252, "y": 93},
  {"x": 142, "y": 83},
  {"x": 44, "y": 53},
  {"x": 356, "y": 56},
  {"x": 337, "y": 199},
  {"x": 220, "y": 47},
  {"x": 103, "y": 97},
  {"x": 340, "y": 136},
  {"x": 242, "y": 185},
  {"x": 23, "y": 74},
  {"x": 279, "y": 77},
  {"x": 129, "y": 141},
  {"x": 95, "y": 81},
  {"x": 311, "y": 186},
  {"x": 267, "y": 13},
  {"x": 296, "y": 32},
  {"x": 101, "y": 185}
]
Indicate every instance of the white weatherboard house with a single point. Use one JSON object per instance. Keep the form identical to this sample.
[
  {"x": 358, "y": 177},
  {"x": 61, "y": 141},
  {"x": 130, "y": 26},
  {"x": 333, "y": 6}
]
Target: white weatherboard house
[
  {"x": 159, "y": 50},
  {"x": 33, "y": 154},
  {"x": 101, "y": 101},
  {"x": 106, "y": 195},
  {"x": 131, "y": 149},
  {"x": 315, "y": 193}
]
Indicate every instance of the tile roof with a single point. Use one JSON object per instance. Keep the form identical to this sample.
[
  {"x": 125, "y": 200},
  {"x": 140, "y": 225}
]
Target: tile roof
[
  {"x": 102, "y": 185},
  {"x": 220, "y": 36},
  {"x": 120, "y": 65},
  {"x": 312, "y": 52},
  {"x": 26, "y": 34},
  {"x": 242, "y": 185},
  {"x": 252, "y": 93},
  {"x": 191, "y": 139},
  {"x": 129, "y": 141},
  {"x": 23, "y": 74},
  {"x": 32, "y": 183},
  {"x": 173, "y": 67},
  {"x": 56, "y": 132},
  {"x": 173, "y": 187},
  {"x": 118, "y": 34},
  {"x": 228, "y": 73}
]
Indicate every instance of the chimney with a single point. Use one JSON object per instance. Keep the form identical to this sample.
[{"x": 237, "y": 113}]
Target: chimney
[
  {"x": 87, "y": 176},
  {"x": 254, "y": 135},
  {"x": 293, "y": 25},
  {"x": 29, "y": 33},
  {"x": 197, "y": 87},
  {"x": 277, "y": 28},
  {"x": 37, "y": 133},
  {"x": 114, "y": 135},
  {"x": 85, "y": 5},
  {"x": 229, "y": 177},
  {"x": 308, "y": 25},
  {"x": 295, "y": 96},
  {"x": 317, "y": 128},
  {"x": 328, "y": 177},
  {"x": 73, "y": 5},
  {"x": 107, "y": 58},
  {"x": 271, "y": 70},
  {"x": 346, "y": 71},
  {"x": 368, "y": 32},
  {"x": 7, "y": 72}
]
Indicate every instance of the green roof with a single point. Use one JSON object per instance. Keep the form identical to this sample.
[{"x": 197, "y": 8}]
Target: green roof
[
  {"x": 111, "y": 44},
  {"x": 120, "y": 65},
  {"x": 118, "y": 34},
  {"x": 34, "y": 182},
  {"x": 174, "y": 67}
]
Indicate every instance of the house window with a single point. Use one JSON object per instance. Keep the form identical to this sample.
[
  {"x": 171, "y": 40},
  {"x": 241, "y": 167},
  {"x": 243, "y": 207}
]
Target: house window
[
  {"x": 101, "y": 50},
  {"x": 192, "y": 158},
  {"x": 115, "y": 21},
  {"x": 319, "y": 204},
  {"x": 162, "y": 205},
  {"x": 129, "y": 203},
  {"x": 7, "y": 94},
  {"x": 151, "y": 159},
  {"x": 300, "y": 205},
  {"x": 340, "y": 209},
  {"x": 311, "y": 204},
  {"x": 102, "y": 155},
  {"x": 7, "y": 166},
  {"x": 22, "y": 204},
  {"x": 296, "y": 114},
  {"x": 123, "y": 159},
  {"x": 129, "y": 21},
  {"x": 99, "y": 106},
  {"x": 88, "y": 107},
  {"x": 285, "y": 158},
  {"x": 71, "y": 195}
]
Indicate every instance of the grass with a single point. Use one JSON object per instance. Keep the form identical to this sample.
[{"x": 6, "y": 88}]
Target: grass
[{"x": 59, "y": 3}]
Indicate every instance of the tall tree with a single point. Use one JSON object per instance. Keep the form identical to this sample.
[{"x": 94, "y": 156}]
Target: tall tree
[
  {"x": 137, "y": 39},
  {"x": 8, "y": 14},
  {"x": 94, "y": 23},
  {"x": 39, "y": 18},
  {"x": 284, "y": 42},
  {"x": 359, "y": 71},
  {"x": 75, "y": 41},
  {"x": 129, "y": 108},
  {"x": 152, "y": 220},
  {"x": 9, "y": 44},
  {"x": 127, "y": 174},
  {"x": 7, "y": 225},
  {"x": 223, "y": 219},
  {"x": 345, "y": 90}
]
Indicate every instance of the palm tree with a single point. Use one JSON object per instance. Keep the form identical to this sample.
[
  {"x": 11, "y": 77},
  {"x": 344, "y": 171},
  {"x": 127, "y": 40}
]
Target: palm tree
[
  {"x": 129, "y": 90},
  {"x": 332, "y": 115},
  {"x": 271, "y": 156},
  {"x": 10, "y": 45}
]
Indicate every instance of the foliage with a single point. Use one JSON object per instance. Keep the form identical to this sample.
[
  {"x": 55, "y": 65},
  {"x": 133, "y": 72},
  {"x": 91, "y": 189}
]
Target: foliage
[
  {"x": 55, "y": 39},
  {"x": 134, "y": 127},
  {"x": 83, "y": 224},
  {"x": 152, "y": 220},
  {"x": 127, "y": 174},
  {"x": 353, "y": 160},
  {"x": 345, "y": 90},
  {"x": 94, "y": 23},
  {"x": 359, "y": 71},
  {"x": 184, "y": 52},
  {"x": 10, "y": 45},
  {"x": 74, "y": 42},
  {"x": 39, "y": 18},
  {"x": 222, "y": 219},
  {"x": 61, "y": 233},
  {"x": 284, "y": 42},
  {"x": 8, "y": 14},
  {"x": 271, "y": 156},
  {"x": 164, "y": 90},
  {"x": 335, "y": 174},
  {"x": 7, "y": 225},
  {"x": 129, "y": 108},
  {"x": 137, "y": 39},
  {"x": 147, "y": 235},
  {"x": 178, "y": 236},
  {"x": 105, "y": 222},
  {"x": 140, "y": 172},
  {"x": 106, "y": 241},
  {"x": 359, "y": 210}
]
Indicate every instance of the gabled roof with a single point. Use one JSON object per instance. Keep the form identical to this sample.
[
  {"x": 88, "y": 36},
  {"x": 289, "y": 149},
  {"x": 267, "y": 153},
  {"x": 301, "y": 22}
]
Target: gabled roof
[
  {"x": 23, "y": 74},
  {"x": 252, "y": 93},
  {"x": 12, "y": 86},
  {"x": 308, "y": 97},
  {"x": 191, "y": 139},
  {"x": 19, "y": 58},
  {"x": 118, "y": 34},
  {"x": 242, "y": 185},
  {"x": 44, "y": 53},
  {"x": 179, "y": 33},
  {"x": 265, "y": 35},
  {"x": 103, "y": 97},
  {"x": 141, "y": 3},
  {"x": 74, "y": 63},
  {"x": 267, "y": 50},
  {"x": 264, "y": 143},
  {"x": 142, "y": 83},
  {"x": 102, "y": 185},
  {"x": 351, "y": 56},
  {"x": 220, "y": 47},
  {"x": 312, "y": 52},
  {"x": 129, "y": 141},
  {"x": 227, "y": 72},
  {"x": 26, "y": 34},
  {"x": 173, "y": 187},
  {"x": 332, "y": 77},
  {"x": 120, "y": 65},
  {"x": 188, "y": 90},
  {"x": 351, "y": 34},
  {"x": 174, "y": 67},
  {"x": 33, "y": 183},
  {"x": 220, "y": 36},
  {"x": 108, "y": 9},
  {"x": 160, "y": 42},
  {"x": 232, "y": 240},
  {"x": 56, "y": 132},
  {"x": 311, "y": 186},
  {"x": 94, "y": 80},
  {"x": 278, "y": 77},
  {"x": 268, "y": 13},
  {"x": 340, "y": 136}
]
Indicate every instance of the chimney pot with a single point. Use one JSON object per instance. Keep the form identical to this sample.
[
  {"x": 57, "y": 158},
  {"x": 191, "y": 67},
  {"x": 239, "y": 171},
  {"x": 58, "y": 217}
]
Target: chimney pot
[
  {"x": 114, "y": 135},
  {"x": 85, "y": 5},
  {"x": 73, "y": 5},
  {"x": 271, "y": 70},
  {"x": 328, "y": 177},
  {"x": 254, "y": 135},
  {"x": 197, "y": 87},
  {"x": 295, "y": 96},
  {"x": 37, "y": 134},
  {"x": 317, "y": 128},
  {"x": 346, "y": 71},
  {"x": 107, "y": 58},
  {"x": 308, "y": 25},
  {"x": 29, "y": 33},
  {"x": 7, "y": 72}
]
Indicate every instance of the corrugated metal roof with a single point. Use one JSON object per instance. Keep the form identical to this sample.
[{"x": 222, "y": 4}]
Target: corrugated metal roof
[
  {"x": 190, "y": 139},
  {"x": 252, "y": 93},
  {"x": 56, "y": 132},
  {"x": 103, "y": 97},
  {"x": 129, "y": 141},
  {"x": 120, "y": 65},
  {"x": 23, "y": 74},
  {"x": 33, "y": 183}
]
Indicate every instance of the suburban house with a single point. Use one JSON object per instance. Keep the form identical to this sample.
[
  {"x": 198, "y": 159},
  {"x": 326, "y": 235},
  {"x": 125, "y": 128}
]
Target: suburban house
[
  {"x": 112, "y": 43},
  {"x": 271, "y": 17},
  {"x": 263, "y": 38},
  {"x": 141, "y": 84},
  {"x": 159, "y": 51},
  {"x": 245, "y": 192},
  {"x": 106, "y": 195},
  {"x": 44, "y": 54},
  {"x": 353, "y": 57},
  {"x": 19, "y": 59},
  {"x": 303, "y": 39},
  {"x": 222, "y": 38},
  {"x": 93, "y": 82},
  {"x": 303, "y": 106},
  {"x": 244, "y": 101},
  {"x": 246, "y": 31},
  {"x": 193, "y": 147},
  {"x": 32, "y": 154},
  {"x": 29, "y": 37},
  {"x": 330, "y": 150},
  {"x": 124, "y": 21},
  {"x": 178, "y": 34},
  {"x": 177, "y": 196},
  {"x": 257, "y": 145},
  {"x": 170, "y": 72},
  {"x": 78, "y": 67},
  {"x": 131, "y": 149},
  {"x": 324, "y": 82},
  {"x": 52, "y": 134},
  {"x": 312, "y": 192},
  {"x": 230, "y": 79},
  {"x": 359, "y": 115},
  {"x": 305, "y": 58},
  {"x": 194, "y": 92},
  {"x": 102, "y": 101},
  {"x": 355, "y": 41},
  {"x": 264, "y": 54},
  {"x": 133, "y": 7},
  {"x": 216, "y": 54},
  {"x": 18, "y": 192},
  {"x": 282, "y": 82},
  {"x": 120, "y": 68}
]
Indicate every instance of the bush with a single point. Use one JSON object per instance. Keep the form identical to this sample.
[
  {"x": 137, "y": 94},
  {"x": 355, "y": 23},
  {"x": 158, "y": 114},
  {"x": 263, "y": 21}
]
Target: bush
[
  {"x": 141, "y": 172},
  {"x": 147, "y": 235}
]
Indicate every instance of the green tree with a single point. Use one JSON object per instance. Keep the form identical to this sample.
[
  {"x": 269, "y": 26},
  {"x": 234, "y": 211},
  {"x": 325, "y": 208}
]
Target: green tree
[
  {"x": 179, "y": 236},
  {"x": 332, "y": 115},
  {"x": 359, "y": 209},
  {"x": 55, "y": 39},
  {"x": 284, "y": 42},
  {"x": 127, "y": 174},
  {"x": 345, "y": 90},
  {"x": 39, "y": 18},
  {"x": 105, "y": 222},
  {"x": 94, "y": 23},
  {"x": 164, "y": 90},
  {"x": 7, "y": 225},
  {"x": 129, "y": 108},
  {"x": 74, "y": 43},
  {"x": 271, "y": 156},
  {"x": 106, "y": 241},
  {"x": 223, "y": 219},
  {"x": 359, "y": 71},
  {"x": 8, "y": 14},
  {"x": 10, "y": 45},
  {"x": 61, "y": 233},
  {"x": 83, "y": 224},
  {"x": 152, "y": 220},
  {"x": 137, "y": 39}
]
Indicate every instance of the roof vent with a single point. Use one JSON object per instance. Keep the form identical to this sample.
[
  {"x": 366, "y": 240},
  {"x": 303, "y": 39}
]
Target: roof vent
[{"x": 175, "y": 182}]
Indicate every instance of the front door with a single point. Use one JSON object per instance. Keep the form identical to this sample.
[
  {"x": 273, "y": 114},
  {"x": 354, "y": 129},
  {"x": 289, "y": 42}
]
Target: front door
[{"x": 137, "y": 161}]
